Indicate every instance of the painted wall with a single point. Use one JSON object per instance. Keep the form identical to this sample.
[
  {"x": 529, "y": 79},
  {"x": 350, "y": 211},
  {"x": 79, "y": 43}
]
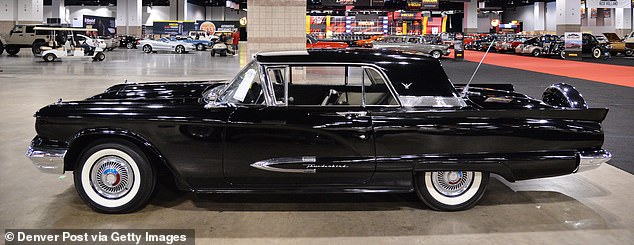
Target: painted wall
[
  {"x": 484, "y": 21},
  {"x": 195, "y": 12},
  {"x": 523, "y": 14},
  {"x": 551, "y": 14},
  {"x": 224, "y": 14},
  {"x": 156, "y": 13},
  {"x": 8, "y": 9}
]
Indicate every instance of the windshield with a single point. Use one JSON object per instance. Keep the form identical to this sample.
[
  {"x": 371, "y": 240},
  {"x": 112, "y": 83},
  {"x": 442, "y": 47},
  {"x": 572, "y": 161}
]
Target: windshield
[{"x": 245, "y": 88}]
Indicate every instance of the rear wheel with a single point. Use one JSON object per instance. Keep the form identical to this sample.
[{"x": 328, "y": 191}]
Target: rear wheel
[
  {"x": 1, "y": 48},
  {"x": 49, "y": 57},
  {"x": 100, "y": 56},
  {"x": 129, "y": 45},
  {"x": 114, "y": 177},
  {"x": 200, "y": 47},
  {"x": 147, "y": 48},
  {"x": 213, "y": 53},
  {"x": 13, "y": 50},
  {"x": 37, "y": 48},
  {"x": 536, "y": 52},
  {"x": 628, "y": 52},
  {"x": 451, "y": 190},
  {"x": 562, "y": 54}
]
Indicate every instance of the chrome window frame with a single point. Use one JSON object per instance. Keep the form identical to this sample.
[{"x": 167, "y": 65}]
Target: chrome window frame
[{"x": 386, "y": 79}]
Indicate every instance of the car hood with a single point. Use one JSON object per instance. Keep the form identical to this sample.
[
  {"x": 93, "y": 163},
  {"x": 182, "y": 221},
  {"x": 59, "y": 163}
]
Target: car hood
[
  {"x": 612, "y": 37},
  {"x": 157, "y": 90}
]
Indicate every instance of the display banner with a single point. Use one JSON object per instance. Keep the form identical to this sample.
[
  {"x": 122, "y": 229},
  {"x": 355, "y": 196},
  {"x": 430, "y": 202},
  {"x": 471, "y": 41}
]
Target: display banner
[
  {"x": 105, "y": 25},
  {"x": 414, "y": 4},
  {"x": 608, "y": 3},
  {"x": 572, "y": 45},
  {"x": 378, "y": 3},
  {"x": 458, "y": 48},
  {"x": 173, "y": 27},
  {"x": 212, "y": 27},
  {"x": 430, "y": 4}
]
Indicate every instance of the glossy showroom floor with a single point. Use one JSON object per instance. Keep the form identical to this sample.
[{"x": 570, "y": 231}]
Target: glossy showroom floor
[{"x": 588, "y": 208}]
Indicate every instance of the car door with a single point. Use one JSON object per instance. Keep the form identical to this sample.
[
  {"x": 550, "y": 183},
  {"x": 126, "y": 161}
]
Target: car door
[{"x": 305, "y": 132}]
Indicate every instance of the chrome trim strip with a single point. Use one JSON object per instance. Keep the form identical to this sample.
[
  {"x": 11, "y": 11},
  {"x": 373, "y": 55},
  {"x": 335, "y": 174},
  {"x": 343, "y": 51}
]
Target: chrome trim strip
[
  {"x": 48, "y": 160},
  {"x": 268, "y": 164},
  {"x": 593, "y": 159}
]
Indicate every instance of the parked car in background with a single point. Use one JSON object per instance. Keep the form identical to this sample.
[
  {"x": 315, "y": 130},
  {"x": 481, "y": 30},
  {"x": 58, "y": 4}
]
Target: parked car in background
[
  {"x": 367, "y": 43},
  {"x": 331, "y": 121},
  {"x": 165, "y": 44},
  {"x": 503, "y": 46},
  {"x": 544, "y": 45},
  {"x": 311, "y": 43},
  {"x": 616, "y": 44},
  {"x": 24, "y": 36},
  {"x": 202, "y": 35},
  {"x": 413, "y": 44},
  {"x": 111, "y": 42},
  {"x": 127, "y": 41},
  {"x": 200, "y": 44}
]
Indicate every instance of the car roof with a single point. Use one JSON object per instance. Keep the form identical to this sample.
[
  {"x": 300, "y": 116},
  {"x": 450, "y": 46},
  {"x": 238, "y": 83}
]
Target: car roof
[
  {"x": 423, "y": 74},
  {"x": 358, "y": 55}
]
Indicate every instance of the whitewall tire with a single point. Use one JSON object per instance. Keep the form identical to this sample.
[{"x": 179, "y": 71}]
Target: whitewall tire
[
  {"x": 114, "y": 177},
  {"x": 451, "y": 190}
]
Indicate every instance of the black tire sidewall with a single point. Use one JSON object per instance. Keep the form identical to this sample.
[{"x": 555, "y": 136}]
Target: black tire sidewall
[
  {"x": 179, "y": 49},
  {"x": 433, "y": 54},
  {"x": 594, "y": 51},
  {"x": 49, "y": 55},
  {"x": 147, "y": 182},
  {"x": 423, "y": 194},
  {"x": 536, "y": 52},
  {"x": 149, "y": 49}
]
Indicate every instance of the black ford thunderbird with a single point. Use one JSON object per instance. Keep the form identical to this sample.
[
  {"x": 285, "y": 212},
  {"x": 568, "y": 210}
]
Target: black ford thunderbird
[{"x": 329, "y": 121}]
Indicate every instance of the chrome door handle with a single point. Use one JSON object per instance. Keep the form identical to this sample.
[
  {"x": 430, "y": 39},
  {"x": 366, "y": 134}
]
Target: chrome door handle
[{"x": 351, "y": 114}]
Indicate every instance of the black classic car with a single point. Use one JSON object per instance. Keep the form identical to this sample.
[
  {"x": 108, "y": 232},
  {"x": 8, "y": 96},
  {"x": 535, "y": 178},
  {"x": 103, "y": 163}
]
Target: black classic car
[{"x": 328, "y": 121}]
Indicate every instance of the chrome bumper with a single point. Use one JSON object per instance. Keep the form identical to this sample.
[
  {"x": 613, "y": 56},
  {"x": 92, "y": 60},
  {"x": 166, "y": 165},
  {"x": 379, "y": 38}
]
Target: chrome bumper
[
  {"x": 589, "y": 160},
  {"x": 48, "y": 160}
]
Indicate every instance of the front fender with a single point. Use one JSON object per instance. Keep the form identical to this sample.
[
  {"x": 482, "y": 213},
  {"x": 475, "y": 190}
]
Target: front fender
[{"x": 83, "y": 138}]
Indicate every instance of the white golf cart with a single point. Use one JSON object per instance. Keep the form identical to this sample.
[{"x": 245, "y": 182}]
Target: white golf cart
[{"x": 67, "y": 45}]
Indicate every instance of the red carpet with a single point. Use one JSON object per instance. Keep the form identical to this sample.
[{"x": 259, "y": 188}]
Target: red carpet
[{"x": 612, "y": 74}]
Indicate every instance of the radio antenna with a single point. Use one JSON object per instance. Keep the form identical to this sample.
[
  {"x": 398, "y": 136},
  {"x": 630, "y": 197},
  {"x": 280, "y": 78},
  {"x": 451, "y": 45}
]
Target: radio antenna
[{"x": 465, "y": 90}]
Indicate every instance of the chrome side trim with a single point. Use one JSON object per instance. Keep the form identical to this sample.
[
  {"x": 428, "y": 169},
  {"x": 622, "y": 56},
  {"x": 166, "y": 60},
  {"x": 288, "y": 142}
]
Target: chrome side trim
[
  {"x": 48, "y": 160},
  {"x": 589, "y": 160},
  {"x": 268, "y": 164}
]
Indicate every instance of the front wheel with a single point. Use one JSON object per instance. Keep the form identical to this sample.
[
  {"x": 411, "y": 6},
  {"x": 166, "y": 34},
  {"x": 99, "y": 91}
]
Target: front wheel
[
  {"x": 213, "y": 53},
  {"x": 12, "y": 50},
  {"x": 596, "y": 53},
  {"x": 200, "y": 47},
  {"x": 147, "y": 49},
  {"x": 451, "y": 190},
  {"x": 130, "y": 45},
  {"x": 180, "y": 49},
  {"x": 436, "y": 54},
  {"x": 536, "y": 52},
  {"x": 114, "y": 177},
  {"x": 628, "y": 52}
]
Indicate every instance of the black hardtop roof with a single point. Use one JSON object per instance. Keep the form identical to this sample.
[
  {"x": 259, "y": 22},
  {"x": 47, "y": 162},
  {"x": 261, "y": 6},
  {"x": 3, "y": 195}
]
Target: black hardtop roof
[
  {"x": 411, "y": 74},
  {"x": 359, "y": 55}
]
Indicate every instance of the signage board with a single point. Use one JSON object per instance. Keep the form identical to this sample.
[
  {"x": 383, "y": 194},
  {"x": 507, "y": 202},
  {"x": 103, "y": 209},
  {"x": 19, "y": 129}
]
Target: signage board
[
  {"x": 572, "y": 45},
  {"x": 430, "y": 4},
  {"x": 173, "y": 27},
  {"x": 414, "y": 4},
  {"x": 105, "y": 25},
  {"x": 375, "y": 3},
  {"x": 608, "y": 3}
]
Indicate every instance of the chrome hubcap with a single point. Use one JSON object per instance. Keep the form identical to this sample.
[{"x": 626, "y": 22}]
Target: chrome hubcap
[
  {"x": 112, "y": 177},
  {"x": 452, "y": 183}
]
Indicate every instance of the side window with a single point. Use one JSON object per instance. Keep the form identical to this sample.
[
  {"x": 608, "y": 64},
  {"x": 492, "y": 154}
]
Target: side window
[
  {"x": 328, "y": 86},
  {"x": 17, "y": 29},
  {"x": 29, "y": 29}
]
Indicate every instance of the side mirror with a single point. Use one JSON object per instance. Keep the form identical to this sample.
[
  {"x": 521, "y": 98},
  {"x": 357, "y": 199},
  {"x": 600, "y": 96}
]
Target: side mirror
[{"x": 212, "y": 96}]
